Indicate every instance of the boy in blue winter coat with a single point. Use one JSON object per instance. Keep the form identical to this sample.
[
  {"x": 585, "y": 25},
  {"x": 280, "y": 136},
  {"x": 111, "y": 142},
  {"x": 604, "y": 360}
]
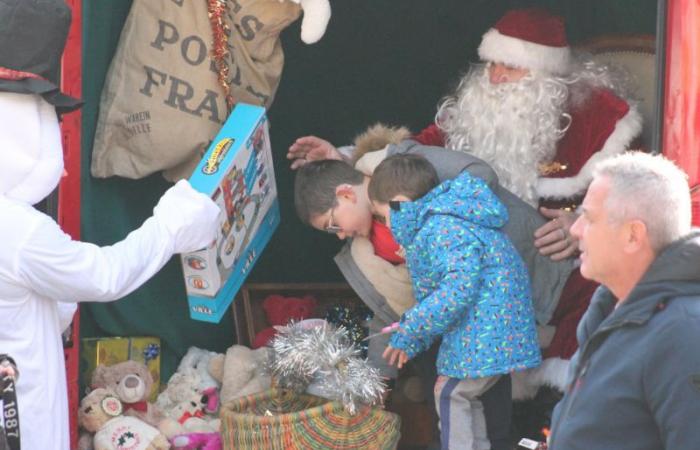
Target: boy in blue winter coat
[{"x": 471, "y": 286}]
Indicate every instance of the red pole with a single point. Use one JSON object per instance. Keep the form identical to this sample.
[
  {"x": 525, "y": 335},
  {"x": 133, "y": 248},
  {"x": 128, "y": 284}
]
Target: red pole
[
  {"x": 69, "y": 193},
  {"x": 681, "y": 127}
]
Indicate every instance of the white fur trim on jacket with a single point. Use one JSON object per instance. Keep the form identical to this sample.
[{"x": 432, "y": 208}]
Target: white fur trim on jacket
[
  {"x": 370, "y": 160},
  {"x": 553, "y": 372},
  {"x": 625, "y": 131},
  {"x": 508, "y": 50}
]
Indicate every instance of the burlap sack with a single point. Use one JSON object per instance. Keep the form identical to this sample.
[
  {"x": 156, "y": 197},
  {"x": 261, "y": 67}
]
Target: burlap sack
[{"x": 162, "y": 102}]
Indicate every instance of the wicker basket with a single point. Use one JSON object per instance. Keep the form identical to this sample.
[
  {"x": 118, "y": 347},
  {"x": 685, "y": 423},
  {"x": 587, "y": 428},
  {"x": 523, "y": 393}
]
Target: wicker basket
[{"x": 283, "y": 420}]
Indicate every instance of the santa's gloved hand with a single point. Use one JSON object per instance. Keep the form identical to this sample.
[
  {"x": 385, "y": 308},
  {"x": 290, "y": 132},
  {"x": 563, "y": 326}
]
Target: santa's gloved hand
[{"x": 190, "y": 217}]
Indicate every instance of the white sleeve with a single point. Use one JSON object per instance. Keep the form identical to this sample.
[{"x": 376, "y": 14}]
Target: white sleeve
[
  {"x": 66, "y": 311},
  {"x": 60, "y": 268}
]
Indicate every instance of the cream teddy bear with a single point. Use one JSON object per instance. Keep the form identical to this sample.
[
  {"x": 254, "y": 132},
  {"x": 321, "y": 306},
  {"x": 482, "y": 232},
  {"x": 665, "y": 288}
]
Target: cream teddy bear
[
  {"x": 196, "y": 363},
  {"x": 187, "y": 418},
  {"x": 101, "y": 413},
  {"x": 241, "y": 372}
]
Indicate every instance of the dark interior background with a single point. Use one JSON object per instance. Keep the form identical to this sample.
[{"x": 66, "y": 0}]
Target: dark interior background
[{"x": 380, "y": 60}]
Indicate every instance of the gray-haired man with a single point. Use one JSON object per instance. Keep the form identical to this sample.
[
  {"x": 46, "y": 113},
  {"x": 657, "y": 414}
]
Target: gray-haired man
[{"x": 635, "y": 380}]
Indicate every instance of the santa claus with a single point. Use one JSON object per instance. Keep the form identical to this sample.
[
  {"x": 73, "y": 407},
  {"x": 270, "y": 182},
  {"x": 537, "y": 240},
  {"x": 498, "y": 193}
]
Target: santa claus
[
  {"x": 540, "y": 117},
  {"x": 43, "y": 272}
]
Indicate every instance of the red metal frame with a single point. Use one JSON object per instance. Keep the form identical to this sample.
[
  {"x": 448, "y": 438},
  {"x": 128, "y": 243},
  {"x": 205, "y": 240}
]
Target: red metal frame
[
  {"x": 681, "y": 113},
  {"x": 69, "y": 191}
]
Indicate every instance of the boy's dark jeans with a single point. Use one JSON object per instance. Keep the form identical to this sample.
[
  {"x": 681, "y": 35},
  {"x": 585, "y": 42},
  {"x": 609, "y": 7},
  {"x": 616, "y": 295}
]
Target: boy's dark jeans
[{"x": 497, "y": 401}]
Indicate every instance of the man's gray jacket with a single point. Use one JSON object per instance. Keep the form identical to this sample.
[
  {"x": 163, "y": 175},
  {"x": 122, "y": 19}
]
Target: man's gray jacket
[
  {"x": 547, "y": 277},
  {"x": 635, "y": 380}
]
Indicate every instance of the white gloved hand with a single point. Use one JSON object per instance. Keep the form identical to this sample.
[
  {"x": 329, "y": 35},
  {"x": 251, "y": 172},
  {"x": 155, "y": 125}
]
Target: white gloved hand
[{"x": 190, "y": 217}]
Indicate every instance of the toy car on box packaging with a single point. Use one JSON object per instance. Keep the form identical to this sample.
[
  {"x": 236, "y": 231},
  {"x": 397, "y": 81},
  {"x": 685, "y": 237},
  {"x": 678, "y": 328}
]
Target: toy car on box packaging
[{"x": 236, "y": 171}]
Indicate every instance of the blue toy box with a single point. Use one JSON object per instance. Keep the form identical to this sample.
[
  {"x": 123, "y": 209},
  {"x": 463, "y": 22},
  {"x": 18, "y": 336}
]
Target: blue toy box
[{"x": 236, "y": 171}]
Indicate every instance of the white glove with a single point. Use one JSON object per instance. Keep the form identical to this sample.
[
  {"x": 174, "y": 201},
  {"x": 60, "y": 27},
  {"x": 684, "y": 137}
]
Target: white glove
[{"x": 190, "y": 217}]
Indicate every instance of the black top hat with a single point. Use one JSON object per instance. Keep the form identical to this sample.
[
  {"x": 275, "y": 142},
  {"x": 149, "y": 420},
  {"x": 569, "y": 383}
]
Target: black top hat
[{"x": 32, "y": 37}]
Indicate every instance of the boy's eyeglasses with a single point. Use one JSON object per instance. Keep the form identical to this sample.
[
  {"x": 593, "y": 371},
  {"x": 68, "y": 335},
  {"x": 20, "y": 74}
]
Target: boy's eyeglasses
[{"x": 331, "y": 228}]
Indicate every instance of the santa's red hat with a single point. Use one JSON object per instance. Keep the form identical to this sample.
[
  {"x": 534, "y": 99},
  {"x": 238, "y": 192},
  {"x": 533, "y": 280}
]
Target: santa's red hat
[{"x": 528, "y": 38}]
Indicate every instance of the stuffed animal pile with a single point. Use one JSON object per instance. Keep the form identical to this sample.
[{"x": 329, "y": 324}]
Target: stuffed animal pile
[{"x": 185, "y": 415}]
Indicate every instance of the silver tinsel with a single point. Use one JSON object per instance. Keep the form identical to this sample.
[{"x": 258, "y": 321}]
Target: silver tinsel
[{"x": 325, "y": 356}]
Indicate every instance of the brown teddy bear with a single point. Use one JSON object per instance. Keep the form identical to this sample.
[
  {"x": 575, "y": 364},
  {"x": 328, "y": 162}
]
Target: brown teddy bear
[
  {"x": 132, "y": 382},
  {"x": 101, "y": 413}
]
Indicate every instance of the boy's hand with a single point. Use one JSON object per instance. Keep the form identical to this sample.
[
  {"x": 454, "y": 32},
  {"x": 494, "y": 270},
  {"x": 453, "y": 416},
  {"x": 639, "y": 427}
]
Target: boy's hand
[
  {"x": 395, "y": 355},
  {"x": 311, "y": 148}
]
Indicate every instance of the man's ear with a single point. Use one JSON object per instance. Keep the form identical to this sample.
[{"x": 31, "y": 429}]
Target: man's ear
[
  {"x": 346, "y": 191},
  {"x": 637, "y": 236}
]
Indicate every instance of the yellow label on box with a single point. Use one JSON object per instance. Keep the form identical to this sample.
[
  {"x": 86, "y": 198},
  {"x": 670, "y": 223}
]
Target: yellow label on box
[{"x": 113, "y": 350}]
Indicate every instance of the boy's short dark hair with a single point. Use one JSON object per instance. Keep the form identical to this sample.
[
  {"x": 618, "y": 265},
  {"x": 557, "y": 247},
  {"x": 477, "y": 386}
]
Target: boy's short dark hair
[
  {"x": 409, "y": 175},
  {"x": 315, "y": 184}
]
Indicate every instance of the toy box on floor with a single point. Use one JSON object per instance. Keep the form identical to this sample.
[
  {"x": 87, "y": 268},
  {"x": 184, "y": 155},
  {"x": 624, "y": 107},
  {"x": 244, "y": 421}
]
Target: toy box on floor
[
  {"x": 109, "y": 351},
  {"x": 236, "y": 171}
]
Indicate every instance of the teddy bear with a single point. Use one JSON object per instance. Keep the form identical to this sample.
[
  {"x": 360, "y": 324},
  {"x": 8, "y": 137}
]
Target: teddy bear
[
  {"x": 280, "y": 310},
  {"x": 196, "y": 361},
  {"x": 180, "y": 387},
  {"x": 101, "y": 413},
  {"x": 132, "y": 382},
  {"x": 241, "y": 371},
  {"x": 187, "y": 426}
]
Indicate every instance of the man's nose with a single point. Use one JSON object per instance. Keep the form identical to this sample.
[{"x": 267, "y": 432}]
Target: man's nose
[{"x": 497, "y": 74}]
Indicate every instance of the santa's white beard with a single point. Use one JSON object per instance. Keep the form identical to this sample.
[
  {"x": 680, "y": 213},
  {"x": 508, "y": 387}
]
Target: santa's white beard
[{"x": 512, "y": 126}]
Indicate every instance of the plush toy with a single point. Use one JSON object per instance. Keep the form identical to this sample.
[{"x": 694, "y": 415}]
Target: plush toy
[
  {"x": 101, "y": 413},
  {"x": 317, "y": 13},
  {"x": 180, "y": 387},
  {"x": 132, "y": 382},
  {"x": 196, "y": 361},
  {"x": 281, "y": 310},
  {"x": 186, "y": 425},
  {"x": 241, "y": 372}
]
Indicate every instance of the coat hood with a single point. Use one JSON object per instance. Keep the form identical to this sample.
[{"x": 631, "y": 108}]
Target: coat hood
[
  {"x": 674, "y": 272},
  {"x": 31, "y": 157},
  {"x": 465, "y": 197}
]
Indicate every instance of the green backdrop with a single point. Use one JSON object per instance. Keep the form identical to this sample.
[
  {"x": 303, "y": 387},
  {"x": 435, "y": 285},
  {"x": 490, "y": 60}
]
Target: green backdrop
[{"x": 380, "y": 60}]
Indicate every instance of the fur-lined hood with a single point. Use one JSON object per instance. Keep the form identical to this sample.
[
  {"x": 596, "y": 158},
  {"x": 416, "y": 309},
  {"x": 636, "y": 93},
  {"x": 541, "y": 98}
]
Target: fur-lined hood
[{"x": 377, "y": 137}]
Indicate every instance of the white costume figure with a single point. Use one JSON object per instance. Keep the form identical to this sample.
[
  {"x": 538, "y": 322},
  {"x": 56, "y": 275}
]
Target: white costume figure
[{"x": 43, "y": 272}]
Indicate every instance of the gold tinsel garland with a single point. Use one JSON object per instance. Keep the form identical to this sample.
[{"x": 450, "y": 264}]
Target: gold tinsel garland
[{"x": 220, "y": 31}]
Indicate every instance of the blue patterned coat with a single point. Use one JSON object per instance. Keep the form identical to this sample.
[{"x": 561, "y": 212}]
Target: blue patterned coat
[{"x": 471, "y": 286}]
